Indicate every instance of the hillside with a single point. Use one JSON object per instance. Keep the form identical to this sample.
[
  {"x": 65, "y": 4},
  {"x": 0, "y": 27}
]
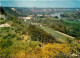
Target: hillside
[
  {"x": 60, "y": 37},
  {"x": 49, "y": 38},
  {"x": 9, "y": 11}
]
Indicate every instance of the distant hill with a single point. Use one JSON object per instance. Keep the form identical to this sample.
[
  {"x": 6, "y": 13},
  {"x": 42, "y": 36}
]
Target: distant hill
[
  {"x": 24, "y": 11},
  {"x": 9, "y": 11},
  {"x": 16, "y": 11}
]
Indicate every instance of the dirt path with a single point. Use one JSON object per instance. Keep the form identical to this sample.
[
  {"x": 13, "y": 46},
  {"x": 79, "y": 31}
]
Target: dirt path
[
  {"x": 65, "y": 34},
  {"x": 26, "y": 37},
  {"x": 5, "y": 25}
]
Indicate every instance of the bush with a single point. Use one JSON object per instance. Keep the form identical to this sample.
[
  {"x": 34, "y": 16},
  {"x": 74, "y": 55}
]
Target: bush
[
  {"x": 19, "y": 38},
  {"x": 5, "y": 43},
  {"x": 40, "y": 35},
  {"x": 52, "y": 50},
  {"x": 9, "y": 36}
]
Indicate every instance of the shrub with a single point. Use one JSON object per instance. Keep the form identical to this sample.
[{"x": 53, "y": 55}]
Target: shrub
[
  {"x": 52, "y": 50},
  {"x": 40, "y": 35},
  {"x": 5, "y": 43},
  {"x": 9, "y": 36}
]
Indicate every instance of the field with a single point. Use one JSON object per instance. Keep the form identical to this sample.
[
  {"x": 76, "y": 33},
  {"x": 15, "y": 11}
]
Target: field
[{"x": 60, "y": 37}]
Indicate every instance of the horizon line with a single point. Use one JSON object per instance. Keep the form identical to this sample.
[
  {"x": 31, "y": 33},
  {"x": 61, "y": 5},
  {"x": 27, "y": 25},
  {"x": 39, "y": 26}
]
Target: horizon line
[{"x": 40, "y": 7}]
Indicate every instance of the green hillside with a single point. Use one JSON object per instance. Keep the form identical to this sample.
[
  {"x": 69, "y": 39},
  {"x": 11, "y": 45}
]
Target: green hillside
[
  {"x": 58, "y": 36},
  {"x": 43, "y": 37}
]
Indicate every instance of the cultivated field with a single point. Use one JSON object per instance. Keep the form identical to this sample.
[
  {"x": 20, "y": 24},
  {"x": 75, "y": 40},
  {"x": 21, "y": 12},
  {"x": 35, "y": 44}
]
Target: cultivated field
[{"x": 61, "y": 37}]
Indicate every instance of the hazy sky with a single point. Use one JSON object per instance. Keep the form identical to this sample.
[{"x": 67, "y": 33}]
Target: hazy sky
[{"x": 41, "y": 3}]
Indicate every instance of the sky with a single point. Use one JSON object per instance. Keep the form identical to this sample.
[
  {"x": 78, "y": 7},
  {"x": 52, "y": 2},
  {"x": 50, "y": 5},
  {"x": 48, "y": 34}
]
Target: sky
[{"x": 41, "y": 3}]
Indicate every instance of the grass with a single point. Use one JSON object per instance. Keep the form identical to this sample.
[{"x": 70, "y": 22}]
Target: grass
[
  {"x": 74, "y": 22},
  {"x": 58, "y": 36}
]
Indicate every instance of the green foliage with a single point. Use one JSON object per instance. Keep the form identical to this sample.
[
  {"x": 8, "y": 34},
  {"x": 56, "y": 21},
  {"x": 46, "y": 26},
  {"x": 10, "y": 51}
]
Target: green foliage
[
  {"x": 1, "y": 10},
  {"x": 9, "y": 36},
  {"x": 19, "y": 38},
  {"x": 2, "y": 22},
  {"x": 5, "y": 43},
  {"x": 61, "y": 56},
  {"x": 66, "y": 26},
  {"x": 40, "y": 35}
]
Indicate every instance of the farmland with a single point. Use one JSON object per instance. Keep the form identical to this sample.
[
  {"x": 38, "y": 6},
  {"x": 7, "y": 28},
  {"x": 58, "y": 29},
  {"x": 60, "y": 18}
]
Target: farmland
[{"x": 61, "y": 37}]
